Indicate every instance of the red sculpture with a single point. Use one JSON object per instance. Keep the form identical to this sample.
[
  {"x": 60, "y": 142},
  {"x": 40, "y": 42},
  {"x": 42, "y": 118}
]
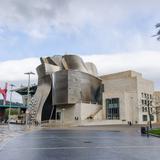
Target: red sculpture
[{"x": 4, "y": 93}]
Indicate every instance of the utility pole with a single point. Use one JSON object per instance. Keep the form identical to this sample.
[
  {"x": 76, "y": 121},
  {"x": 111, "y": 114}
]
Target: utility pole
[
  {"x": 28, "y": 92},
  {"x": 63, "y": 109},
  {"x": 10, "y": 105}
]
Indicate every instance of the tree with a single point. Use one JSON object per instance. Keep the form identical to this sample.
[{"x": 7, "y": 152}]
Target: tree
[{"x": 158, "y": 33}]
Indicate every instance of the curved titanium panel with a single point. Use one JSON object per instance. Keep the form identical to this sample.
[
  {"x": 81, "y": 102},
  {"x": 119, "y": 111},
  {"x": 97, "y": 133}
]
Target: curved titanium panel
[
  {"x": 44, "y": 72},
  {"x": 57, "y": 60},
  {"x": 46, "y": 69},
  {"x": 74, "y": 62},
  {"x": 91, "y": 68}
]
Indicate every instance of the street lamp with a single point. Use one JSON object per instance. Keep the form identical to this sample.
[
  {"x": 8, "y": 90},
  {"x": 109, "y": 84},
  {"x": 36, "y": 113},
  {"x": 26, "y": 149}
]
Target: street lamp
[
  {"x": 28, "y": 91},
  {"x": 63, "y": 109},
  {"x": 10, "y": 105}
]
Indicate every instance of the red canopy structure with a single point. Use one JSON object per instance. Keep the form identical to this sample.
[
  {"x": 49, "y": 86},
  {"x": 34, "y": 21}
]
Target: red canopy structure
[{"x": 4, "y": 93}]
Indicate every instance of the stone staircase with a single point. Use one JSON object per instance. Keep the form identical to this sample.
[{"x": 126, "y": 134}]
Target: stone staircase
[{"x": 93, "y": 115}]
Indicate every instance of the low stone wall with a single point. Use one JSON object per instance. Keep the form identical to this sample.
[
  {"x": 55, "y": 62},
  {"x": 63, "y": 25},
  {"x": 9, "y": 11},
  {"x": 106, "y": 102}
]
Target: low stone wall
[{"x": 101, "y": 122}]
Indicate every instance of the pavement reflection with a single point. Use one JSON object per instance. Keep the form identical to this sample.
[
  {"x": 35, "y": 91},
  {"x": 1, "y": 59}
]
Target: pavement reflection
[{"x": 82, "y": 143}]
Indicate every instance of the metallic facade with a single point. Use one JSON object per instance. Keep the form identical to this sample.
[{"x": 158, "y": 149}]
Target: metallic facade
[{"x": 64, "y": 80}]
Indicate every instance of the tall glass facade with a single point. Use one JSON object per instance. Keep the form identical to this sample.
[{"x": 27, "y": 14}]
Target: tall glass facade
[{"x": 112, "y": 108}]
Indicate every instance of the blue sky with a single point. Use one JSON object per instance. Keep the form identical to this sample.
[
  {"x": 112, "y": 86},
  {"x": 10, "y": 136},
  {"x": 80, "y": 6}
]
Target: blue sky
[{"x": 94, "y": 29}]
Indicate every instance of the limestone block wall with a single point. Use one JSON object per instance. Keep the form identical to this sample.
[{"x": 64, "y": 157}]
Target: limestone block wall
[
  {"x": 131, "y": 107},
  {"x": 88, "y": 109},
  {"x": 128, "y": 86},
  {"x": 73, "y": 114},
  {"x": 144, "y": 86}
]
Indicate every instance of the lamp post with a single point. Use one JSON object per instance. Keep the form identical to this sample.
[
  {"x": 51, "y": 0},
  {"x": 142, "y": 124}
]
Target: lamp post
[
  {"x": 28, "y": 91},
  {"x": 10, "y": 105},
  {"x": 63, "y": 109}
]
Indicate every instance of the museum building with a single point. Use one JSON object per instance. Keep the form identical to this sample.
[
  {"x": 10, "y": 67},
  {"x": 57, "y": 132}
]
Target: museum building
[{"x": 71, "y": 92}]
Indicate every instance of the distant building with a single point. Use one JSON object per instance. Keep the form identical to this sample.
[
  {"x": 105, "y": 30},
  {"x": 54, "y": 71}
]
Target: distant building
[
  {"x": 13, "y": 105},
  {"x": 126, "y": 97},
  {"x": 23, "y": 91}
]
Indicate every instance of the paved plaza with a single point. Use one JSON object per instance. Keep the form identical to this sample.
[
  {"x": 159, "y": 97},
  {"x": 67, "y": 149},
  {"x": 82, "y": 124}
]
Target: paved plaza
[
  {"x": 82, "y": 143},
  {"x": 10, "y": 131}
]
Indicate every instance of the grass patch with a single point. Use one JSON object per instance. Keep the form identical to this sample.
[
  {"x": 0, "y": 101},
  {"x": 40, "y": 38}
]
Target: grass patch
[{"x": 155, "y": 131}]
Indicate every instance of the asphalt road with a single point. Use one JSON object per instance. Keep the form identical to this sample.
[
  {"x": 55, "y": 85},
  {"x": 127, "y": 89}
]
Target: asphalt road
[{"x": 81, "y": 144}]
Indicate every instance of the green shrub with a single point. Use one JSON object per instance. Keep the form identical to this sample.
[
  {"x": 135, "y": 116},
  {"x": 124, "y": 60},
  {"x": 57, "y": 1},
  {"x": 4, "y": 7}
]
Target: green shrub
[{"x": 155, "y": 131}]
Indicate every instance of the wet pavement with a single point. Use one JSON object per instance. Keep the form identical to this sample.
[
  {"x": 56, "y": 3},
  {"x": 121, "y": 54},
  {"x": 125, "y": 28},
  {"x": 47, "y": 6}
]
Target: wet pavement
[
  {"x": 10, "y": 131},
  {"x": 82, "y": 143}
]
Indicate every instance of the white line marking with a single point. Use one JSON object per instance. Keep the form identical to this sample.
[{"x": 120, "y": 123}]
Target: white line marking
[
  {"x": 4, "y": 144},
  {"x": 106, "y": 147}
]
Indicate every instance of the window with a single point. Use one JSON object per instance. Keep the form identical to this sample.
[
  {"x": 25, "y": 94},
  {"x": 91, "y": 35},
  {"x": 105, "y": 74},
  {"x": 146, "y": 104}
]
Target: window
[
  {"x": 145, "y": 109},
  {"x": 144, "y": 117},
  {"x": 142, "y": 109},
  {"x": 142, "y": 101},
  {"x": 150, "y": 103},
  {"x": 58, "y": 116},
  {"x": 142, "y": 94},
  {"x": 150, "y": 96},
  {"x": 152, "y": 117},
  {"x": 145, "y": 102},
  {"x": 112, "y": 108}
]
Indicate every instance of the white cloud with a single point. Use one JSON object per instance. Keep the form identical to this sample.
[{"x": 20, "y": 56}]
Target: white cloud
[
  {"x": 38, "y": 18},
  {"x": 145, "y": 62},
  {"x": 13, "y": 70}
]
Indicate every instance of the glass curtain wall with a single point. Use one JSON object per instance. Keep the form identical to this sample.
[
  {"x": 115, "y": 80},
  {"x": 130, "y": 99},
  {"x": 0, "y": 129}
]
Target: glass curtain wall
[{"x": 112, "y": 108}]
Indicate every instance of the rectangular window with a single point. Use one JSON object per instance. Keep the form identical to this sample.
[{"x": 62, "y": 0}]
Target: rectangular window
[
  {"x": 142, "y": 94},
  {"x": 58, "y": 116},
  {"x": 145, "y": 102},
  {"x": 152, "y": 117},
  {"x": 142, "y": 109},
  {"x": 142, "y": 101},
  {"x": 145, "y": 109},
  {"x": 150, "y": 96},
  {"x": 150, "y": 103},
  {"x": 144, "y": 117},
  {"x": 112, "y": 108}
]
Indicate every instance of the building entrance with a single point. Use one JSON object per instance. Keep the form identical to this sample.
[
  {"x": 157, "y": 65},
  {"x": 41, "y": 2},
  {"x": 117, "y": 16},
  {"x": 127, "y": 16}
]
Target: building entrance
[{"x": 112, "y": 108}]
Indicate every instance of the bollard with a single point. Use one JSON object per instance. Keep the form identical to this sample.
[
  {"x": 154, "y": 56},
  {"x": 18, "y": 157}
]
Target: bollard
[
  {"x": 147, "y": 129},
  {"x": 143, "y": 130}
]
